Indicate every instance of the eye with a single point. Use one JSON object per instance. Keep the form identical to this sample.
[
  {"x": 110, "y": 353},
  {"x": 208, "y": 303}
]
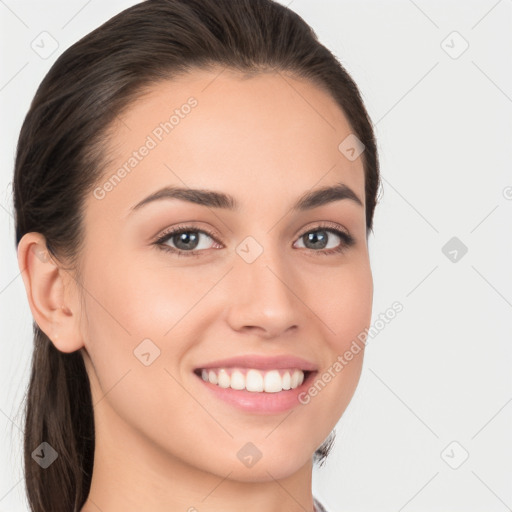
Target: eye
[
  {"x": 185, "y": 239},
  {"x": 324, "y": 239},
  {"x": 326, "y": 236}
]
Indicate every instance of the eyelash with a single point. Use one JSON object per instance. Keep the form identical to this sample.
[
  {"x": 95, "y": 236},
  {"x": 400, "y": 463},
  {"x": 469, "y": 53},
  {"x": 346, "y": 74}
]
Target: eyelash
[{"x": 347, "y": 240}]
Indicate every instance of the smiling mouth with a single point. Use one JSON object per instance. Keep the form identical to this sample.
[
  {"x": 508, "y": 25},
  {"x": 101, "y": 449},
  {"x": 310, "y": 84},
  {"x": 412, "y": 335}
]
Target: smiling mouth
[{"x": 255, "y": 380}]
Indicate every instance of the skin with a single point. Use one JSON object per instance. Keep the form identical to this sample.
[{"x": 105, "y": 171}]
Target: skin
[{"x": 162, "y": 441}]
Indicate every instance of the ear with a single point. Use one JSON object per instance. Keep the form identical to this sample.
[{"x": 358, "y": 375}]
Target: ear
[{"x": 48, "y": 286}]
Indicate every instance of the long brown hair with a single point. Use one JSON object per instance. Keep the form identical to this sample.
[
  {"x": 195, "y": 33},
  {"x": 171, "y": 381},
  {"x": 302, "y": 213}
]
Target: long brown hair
[{"x": 59, "y": 161}]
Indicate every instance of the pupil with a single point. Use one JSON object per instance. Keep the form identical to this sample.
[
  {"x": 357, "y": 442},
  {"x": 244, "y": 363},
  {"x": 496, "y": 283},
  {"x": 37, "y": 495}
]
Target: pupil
[
  {"x": 185, "y": 239},
  {"x": 315, "y": 238}
]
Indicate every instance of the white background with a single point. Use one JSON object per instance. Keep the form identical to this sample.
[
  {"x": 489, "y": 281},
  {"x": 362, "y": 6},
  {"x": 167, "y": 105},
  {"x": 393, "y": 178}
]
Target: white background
[{"x": 441, "y": 370}]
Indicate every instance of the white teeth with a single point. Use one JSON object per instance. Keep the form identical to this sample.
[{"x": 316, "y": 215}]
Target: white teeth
[
  {"x": 257, "y": 381},
  {"x": 287, "y": 381},
  {"x": 224, "y": 380},
  {"x": 272, "y": 382},
  {"x": 254, "y": 381},
  {"x": 237, "y": 380},
  {"x": 212, "y": 377}
]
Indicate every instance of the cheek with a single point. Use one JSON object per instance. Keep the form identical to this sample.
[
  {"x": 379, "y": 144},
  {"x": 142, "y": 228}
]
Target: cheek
[
  {"x": 134, "y": 308},
  {"x": 129, "y": 298},
  {"x": 344, "y": 303},
  {"x": 134, "y": 327}
]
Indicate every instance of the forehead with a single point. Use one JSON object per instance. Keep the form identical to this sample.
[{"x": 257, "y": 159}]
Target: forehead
[{"x": 271, "y": 133}]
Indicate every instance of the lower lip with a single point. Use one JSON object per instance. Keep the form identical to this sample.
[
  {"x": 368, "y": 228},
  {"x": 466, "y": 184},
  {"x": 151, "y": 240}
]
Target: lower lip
[{"x": 260, "y": 402}]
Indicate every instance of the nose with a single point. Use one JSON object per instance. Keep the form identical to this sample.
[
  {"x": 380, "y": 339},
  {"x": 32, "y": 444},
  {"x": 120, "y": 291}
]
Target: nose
[{"x": 263, "y": 299}]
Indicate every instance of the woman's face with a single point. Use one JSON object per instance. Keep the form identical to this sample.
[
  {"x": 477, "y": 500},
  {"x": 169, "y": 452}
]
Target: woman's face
[{"x": 266, "y": 278}]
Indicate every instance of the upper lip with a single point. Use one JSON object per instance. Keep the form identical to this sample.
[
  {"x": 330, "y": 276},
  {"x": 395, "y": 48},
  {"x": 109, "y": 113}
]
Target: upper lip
[{"x": 262, "y": 362}]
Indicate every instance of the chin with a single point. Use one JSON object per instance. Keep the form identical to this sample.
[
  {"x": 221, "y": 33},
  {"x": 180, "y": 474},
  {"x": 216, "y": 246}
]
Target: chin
[
  {"x": 265, "y": 471},
  {"x": 262, "y": 464}
]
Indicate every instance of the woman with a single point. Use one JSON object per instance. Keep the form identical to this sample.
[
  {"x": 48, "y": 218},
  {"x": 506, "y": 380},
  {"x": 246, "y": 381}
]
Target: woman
[{"x": 194, "y": 188}]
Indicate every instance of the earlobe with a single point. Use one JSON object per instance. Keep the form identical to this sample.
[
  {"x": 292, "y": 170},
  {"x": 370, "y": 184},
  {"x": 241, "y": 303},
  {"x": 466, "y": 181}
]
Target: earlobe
[{"x": 45, "y": 287}]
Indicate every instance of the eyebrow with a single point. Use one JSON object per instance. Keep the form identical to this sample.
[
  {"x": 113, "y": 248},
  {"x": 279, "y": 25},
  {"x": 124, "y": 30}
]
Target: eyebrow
[{"x": 214, "y": 199}]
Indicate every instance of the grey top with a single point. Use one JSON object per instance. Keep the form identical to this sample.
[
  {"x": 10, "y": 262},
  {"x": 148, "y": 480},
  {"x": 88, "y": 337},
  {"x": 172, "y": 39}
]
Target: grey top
[{"x": 318, "y": 506}]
